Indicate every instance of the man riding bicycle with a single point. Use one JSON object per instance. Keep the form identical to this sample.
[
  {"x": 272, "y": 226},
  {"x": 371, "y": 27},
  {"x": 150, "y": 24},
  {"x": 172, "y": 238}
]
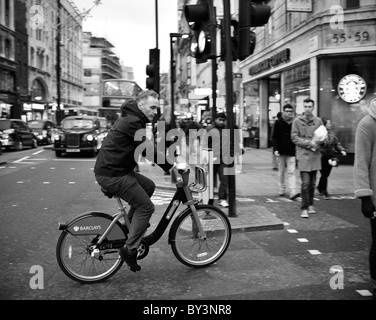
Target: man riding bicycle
[{"x": 116, "y": 161}]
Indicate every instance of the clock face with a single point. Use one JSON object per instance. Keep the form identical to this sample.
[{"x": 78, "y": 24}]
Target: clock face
[
  {"x": 201, "y": 41},
  {"x": 352, "y": 88}
]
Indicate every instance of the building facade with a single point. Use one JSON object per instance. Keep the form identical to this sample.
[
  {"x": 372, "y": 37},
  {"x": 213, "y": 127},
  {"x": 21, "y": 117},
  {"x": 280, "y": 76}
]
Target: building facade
[
  {"x": 47, "y": 21},
  {"x": 99, "y": 63},
  {"x": 8, "y": 63},
  {"x": 325, "y": 50},
  {"x": 322, "y": 50}
]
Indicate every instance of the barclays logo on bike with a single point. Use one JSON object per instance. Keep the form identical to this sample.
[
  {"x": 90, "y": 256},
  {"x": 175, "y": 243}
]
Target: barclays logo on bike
[{"x": 86, "y": 228}]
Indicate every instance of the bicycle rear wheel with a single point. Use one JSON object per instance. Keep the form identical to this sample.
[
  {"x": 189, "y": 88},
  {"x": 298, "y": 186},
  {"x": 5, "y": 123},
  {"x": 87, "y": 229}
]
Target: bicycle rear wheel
[
  {"x": 195, "y": 251},
  {"x": 74, "y": 256}
]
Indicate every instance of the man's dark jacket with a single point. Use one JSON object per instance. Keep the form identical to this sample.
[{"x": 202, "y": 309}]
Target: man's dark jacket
[
  {"x": 117, "y": 155},
  {"x": 282, "y": 138}
]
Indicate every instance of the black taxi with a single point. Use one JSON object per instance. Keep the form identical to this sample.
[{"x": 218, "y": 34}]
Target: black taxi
[{"x": 80, "y": 134}]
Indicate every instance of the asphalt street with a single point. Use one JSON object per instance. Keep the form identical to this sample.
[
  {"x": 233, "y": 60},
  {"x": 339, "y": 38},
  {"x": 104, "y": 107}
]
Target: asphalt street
[{"x": 321, "y": 258}]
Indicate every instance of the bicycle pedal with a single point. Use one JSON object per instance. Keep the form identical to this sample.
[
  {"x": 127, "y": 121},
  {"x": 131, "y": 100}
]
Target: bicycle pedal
[{"x": 95, "y": 253}]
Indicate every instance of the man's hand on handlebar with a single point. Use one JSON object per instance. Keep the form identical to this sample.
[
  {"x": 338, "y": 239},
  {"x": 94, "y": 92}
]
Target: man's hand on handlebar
[{"x": 181, "y": 166}]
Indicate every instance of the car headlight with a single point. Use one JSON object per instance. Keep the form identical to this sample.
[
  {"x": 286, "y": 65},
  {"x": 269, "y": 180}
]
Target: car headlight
[{"x": 89, "y": 137}]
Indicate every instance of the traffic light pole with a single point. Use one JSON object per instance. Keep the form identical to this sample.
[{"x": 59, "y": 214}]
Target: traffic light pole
[
  {"x": 172, "y": 120},
  {"x": 229, "y": 105},
  {"x": 214, "y": 88},
  {"x": 58, "y": 62}
]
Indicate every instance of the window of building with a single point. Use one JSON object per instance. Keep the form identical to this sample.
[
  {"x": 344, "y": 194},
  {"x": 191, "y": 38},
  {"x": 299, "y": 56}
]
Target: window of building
[
  {"x": 352, "y": 4},
  {"x": 344, "y": 115},
  {"x": 297, "y": 86},
  {"x": 252, "y": 113},
  {"x": 8, "y": 48},
  {"x": 7, "y": 12},
  {"x": 87, "y": 72}
]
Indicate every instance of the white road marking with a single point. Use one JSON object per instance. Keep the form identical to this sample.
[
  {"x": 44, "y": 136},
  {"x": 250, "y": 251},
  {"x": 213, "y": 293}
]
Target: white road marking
[
  {"x": 35, "y": 153},
  {"x": 74, "y": 160},
  {"x": 314, "y": 252},
  {"x": 22, "y": 159},
  {"x": 365, "y": 293},
  {"x": 46, "y": 182},
  {"x": 302, "y": 240},
  {"x": 291, "y": 230}
]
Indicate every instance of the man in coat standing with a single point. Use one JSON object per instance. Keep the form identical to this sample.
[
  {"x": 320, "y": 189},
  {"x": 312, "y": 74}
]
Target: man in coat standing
[
  {"x": 284, "y": 150},
  {"x": 307, "y": 154},
  {"x": 365, "y": 178}
]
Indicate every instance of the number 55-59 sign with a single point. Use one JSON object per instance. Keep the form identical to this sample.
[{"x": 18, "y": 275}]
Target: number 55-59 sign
[{"x": 350, "y": 37}]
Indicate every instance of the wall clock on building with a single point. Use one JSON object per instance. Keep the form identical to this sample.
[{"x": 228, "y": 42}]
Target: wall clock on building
[{"x": 352, "y": 88}]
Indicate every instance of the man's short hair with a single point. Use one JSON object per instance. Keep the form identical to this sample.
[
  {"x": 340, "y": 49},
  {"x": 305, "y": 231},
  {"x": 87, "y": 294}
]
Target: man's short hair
[
  {"x": 287, "y": 106},
  {"x": 307, "y": 100},
  {"x": 146, "y": 94},
  {"x": 220, "y": 115}
]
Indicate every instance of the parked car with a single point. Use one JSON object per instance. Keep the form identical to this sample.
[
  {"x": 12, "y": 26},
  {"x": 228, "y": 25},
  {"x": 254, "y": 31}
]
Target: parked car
[
  {"x": 16, "y": 134},
  {"x": 80, "y": 134},
  {"x": 44, "y": 130}
]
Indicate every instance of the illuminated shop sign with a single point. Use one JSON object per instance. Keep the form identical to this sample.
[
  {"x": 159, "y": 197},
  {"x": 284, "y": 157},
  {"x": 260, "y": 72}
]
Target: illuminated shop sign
[
  {"x": 352, "y": 88},
  {"x": 273, "y": 61}
]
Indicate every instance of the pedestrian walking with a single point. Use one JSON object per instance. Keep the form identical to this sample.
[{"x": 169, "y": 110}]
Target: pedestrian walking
[
  {"x": 365, "y": 178},
  {"x": 274, "y": 157},
  {"x": 307, "y": 154},
  {"x": 219, "y": 165},
  {"x": 284, "y": 150},
  {"x": 328, "y": 158}
]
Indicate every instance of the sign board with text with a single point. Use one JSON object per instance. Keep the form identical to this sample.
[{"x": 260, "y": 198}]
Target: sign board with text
[{"x": 299, "y": 5}]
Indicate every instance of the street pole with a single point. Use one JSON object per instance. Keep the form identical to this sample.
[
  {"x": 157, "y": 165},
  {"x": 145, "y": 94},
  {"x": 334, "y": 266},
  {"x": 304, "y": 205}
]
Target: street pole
[
  {"x": 58, "y": 62},
  {"x": 214, "y": 88},
  {"x": 229, "y": 105},
  {"x": 172, "y": 120}
]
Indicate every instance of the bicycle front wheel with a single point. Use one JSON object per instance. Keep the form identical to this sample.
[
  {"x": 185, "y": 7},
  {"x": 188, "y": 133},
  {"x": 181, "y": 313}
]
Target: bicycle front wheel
[
  {"x": 193, "y": 249},
  {"x": 77, "y": 261}
]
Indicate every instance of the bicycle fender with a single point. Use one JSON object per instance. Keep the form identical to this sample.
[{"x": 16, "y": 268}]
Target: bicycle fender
[{"x": 94, "y": 223}]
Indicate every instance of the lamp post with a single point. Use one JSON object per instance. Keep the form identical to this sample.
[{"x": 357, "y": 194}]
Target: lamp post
[{"x": 172, "y": 80}]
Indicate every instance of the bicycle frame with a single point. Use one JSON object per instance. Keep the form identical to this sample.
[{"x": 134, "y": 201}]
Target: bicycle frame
[{"x": 183, "y": 195}]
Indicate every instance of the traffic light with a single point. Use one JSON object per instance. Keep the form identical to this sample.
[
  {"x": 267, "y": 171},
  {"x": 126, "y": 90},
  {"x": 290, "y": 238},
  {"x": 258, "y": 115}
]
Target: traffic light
[
  {"x": 203, "y": 14},
  {"x": 152, "y": 70},
  {"x": 251, "y": 14}
]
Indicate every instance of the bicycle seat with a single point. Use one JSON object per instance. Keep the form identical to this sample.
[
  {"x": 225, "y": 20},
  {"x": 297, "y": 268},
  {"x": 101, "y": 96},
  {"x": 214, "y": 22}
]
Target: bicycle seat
[{"x": 107, "y": 194}]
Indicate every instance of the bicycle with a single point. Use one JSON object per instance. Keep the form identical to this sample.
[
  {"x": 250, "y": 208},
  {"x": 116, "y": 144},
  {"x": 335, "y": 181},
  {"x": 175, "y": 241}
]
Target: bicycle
[{"x": 199, "y": 236}]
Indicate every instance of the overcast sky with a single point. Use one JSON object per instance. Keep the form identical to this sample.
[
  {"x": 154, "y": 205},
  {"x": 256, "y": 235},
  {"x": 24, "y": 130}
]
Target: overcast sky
[{"x": 130, "y": 26}]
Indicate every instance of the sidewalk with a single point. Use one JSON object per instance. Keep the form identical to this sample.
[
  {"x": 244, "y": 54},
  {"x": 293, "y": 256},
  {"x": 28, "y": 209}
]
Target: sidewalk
[{"x": 258, "y": 179}]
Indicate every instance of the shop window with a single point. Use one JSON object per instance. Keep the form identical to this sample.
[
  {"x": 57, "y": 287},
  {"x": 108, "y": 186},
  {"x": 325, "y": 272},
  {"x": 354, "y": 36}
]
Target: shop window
[
  {"x": 352, "y": 4},
  {"x": 251, "y": 114},
  {"x": 345, "y": 115},
  {"x": 297, "y": 86}
]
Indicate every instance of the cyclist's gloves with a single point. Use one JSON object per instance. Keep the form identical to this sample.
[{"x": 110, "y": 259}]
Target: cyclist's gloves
[
  {"x": 180, "y": 166},
  {"x": 368, "y": 207}
]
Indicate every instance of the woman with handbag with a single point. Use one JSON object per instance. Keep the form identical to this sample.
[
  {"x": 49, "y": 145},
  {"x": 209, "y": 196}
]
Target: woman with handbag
[{"x": 328, "y": 158}]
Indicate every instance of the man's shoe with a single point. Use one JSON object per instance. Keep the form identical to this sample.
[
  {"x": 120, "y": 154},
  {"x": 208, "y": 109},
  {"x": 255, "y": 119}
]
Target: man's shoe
[
  {"x": 326, "y": 196},
  {"x": 223, "y": 203},
  {"x": 295, "y": 196},
  {"x": 311, "y": 209},
  {"x": 129, "y": 258},
  {"x": 319, "y": 191},
  {"x": 304, "y": 214}
]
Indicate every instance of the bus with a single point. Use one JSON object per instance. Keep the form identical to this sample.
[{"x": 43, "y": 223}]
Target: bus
[{"x": 113, "y": 93}]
